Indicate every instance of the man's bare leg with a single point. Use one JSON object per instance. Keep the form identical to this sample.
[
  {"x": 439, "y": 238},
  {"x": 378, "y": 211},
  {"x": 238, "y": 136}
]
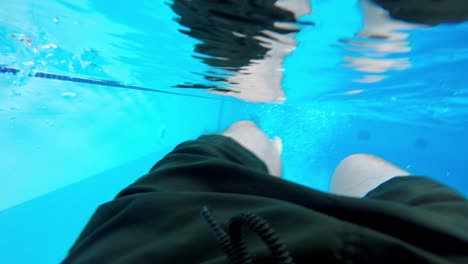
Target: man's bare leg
[
  {"x": 252, "y": 138},
  {"x": 358, "y": 174}
]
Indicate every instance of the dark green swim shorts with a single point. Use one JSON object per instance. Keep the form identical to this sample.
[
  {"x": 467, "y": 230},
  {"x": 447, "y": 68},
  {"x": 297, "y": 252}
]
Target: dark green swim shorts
[{"x": 212, "y": 201}]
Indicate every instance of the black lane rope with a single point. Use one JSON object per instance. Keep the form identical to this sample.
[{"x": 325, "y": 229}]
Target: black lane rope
[{"x": 44, "y": 75}]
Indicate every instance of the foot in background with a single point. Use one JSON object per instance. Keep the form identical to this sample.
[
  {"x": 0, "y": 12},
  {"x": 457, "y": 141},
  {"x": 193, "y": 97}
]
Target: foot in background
[{"x": 385, "y": 32}]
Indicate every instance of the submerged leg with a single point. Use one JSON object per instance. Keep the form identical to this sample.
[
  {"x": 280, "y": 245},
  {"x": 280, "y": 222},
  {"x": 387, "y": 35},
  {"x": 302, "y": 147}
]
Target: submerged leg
[{"x": 358, "y": 174}]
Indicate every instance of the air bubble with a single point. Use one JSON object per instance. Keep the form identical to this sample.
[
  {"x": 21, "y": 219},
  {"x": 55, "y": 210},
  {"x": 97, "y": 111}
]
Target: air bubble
[
  {"x": 48, "y": 46},
  {"x": 29, "y": 63},
  {"x": 162, "y": 132},
  {"x": 68, "y": 95}
]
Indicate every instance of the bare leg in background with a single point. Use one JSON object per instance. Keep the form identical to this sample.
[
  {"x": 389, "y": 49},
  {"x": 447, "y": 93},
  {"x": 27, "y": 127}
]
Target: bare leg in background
[{"x": 358, "y": 174}]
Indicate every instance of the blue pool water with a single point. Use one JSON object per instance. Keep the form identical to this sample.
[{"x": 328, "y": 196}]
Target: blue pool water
[{"x": 69, "y": 145}]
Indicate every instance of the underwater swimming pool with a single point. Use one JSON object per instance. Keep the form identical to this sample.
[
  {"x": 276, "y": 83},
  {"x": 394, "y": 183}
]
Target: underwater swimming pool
[{"x": 95, "y": 92}]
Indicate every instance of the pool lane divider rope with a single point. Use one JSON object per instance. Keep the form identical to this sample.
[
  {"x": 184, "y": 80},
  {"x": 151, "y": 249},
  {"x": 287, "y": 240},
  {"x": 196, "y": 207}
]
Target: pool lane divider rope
[{"x": 44, "y": 75}]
